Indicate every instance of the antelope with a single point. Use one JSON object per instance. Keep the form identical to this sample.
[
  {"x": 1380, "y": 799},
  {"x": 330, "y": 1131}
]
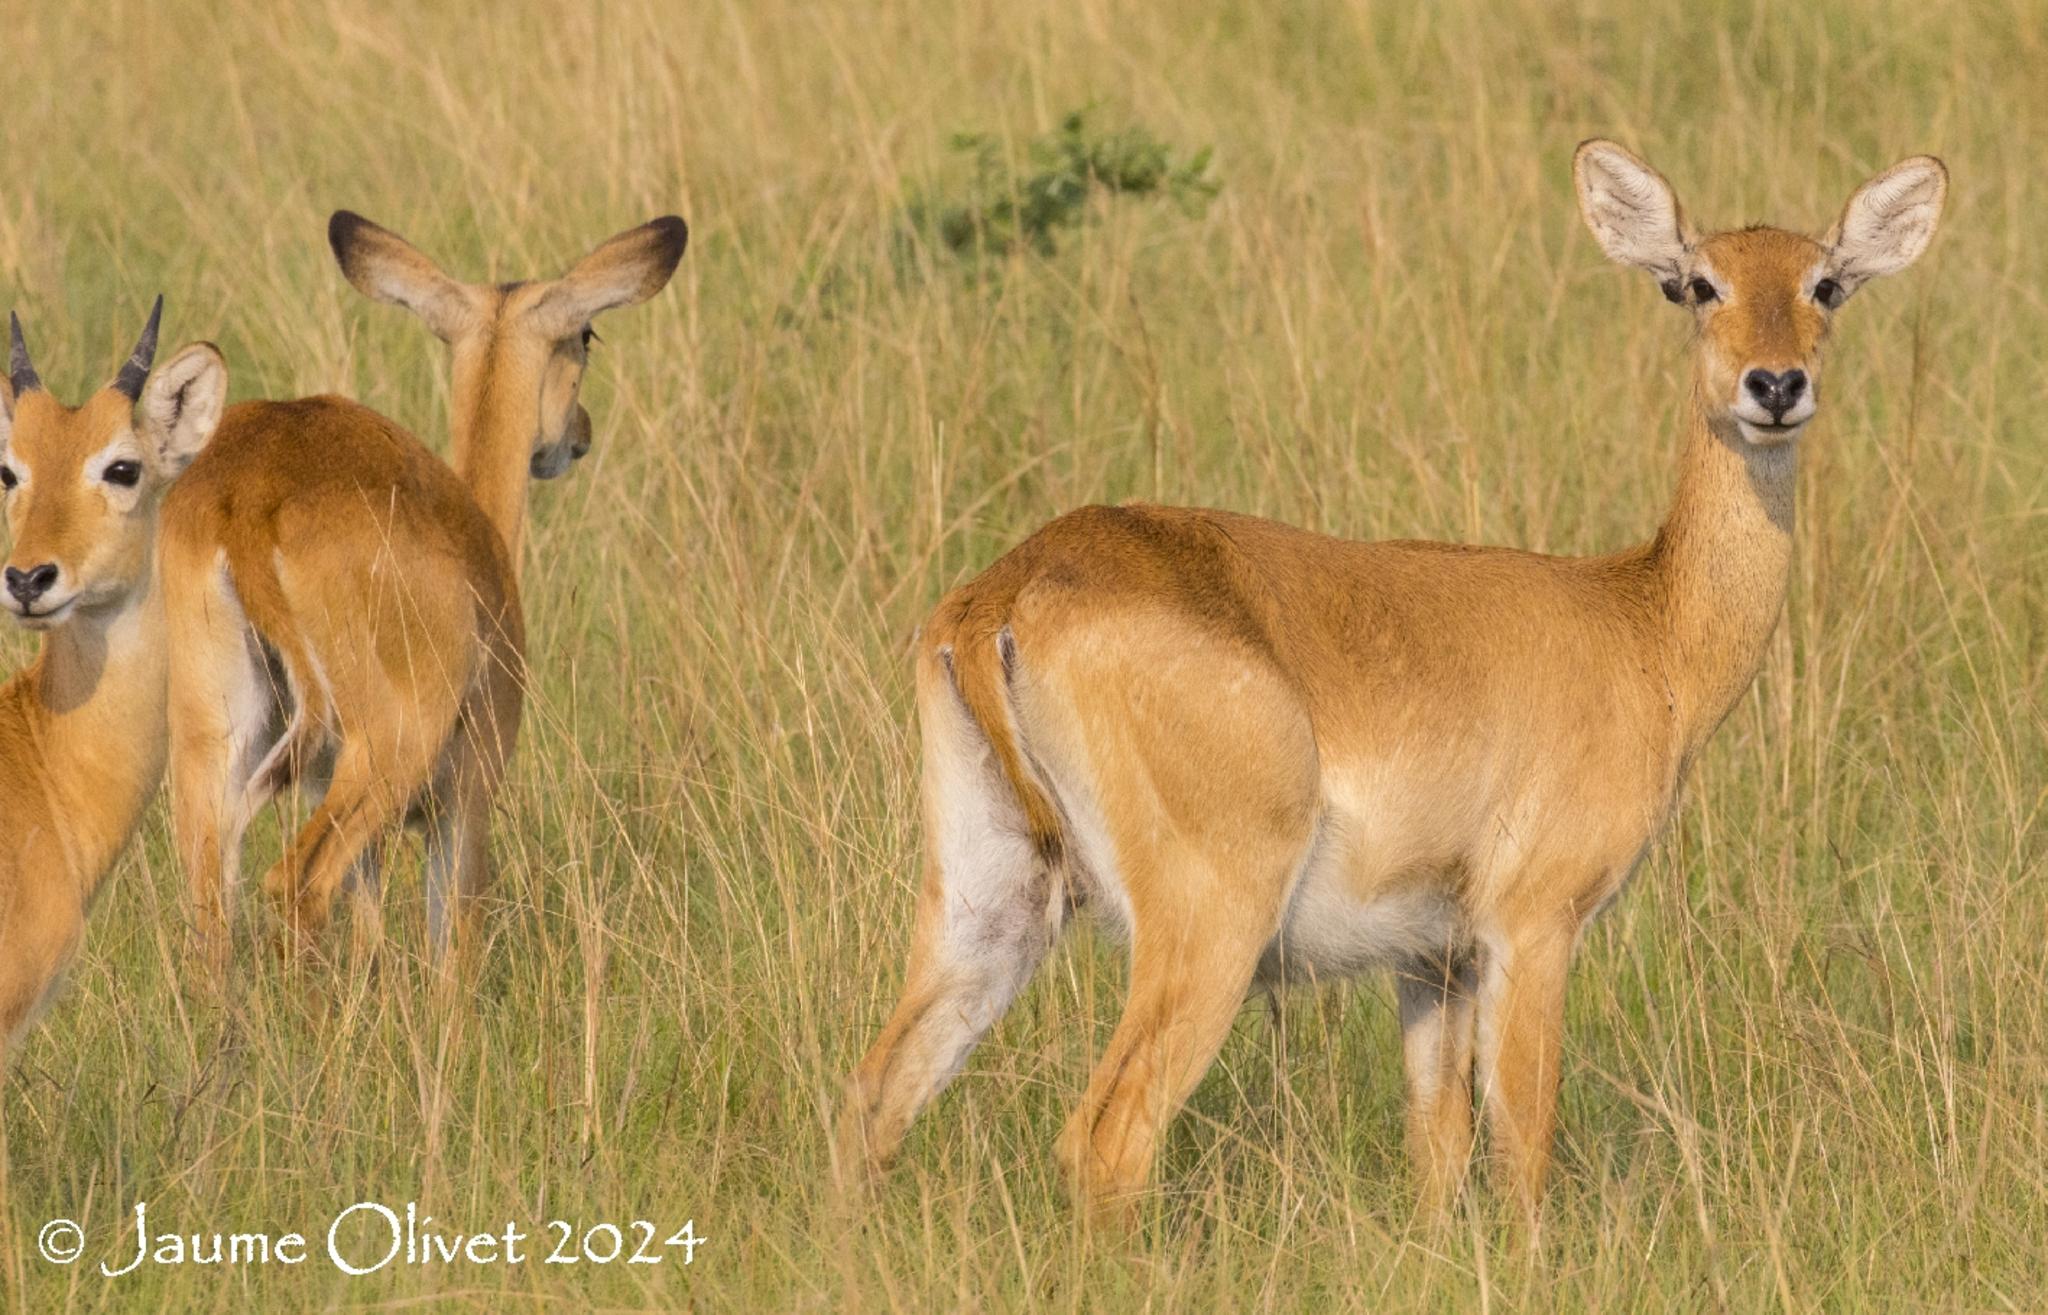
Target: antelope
[
  {"x": 1267, "y": 755},
  {"x": 82, "y": 729},
  {"x": 344, "y": 607}
]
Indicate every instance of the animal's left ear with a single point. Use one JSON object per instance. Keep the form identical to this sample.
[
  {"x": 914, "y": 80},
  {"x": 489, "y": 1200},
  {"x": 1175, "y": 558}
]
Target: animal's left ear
[
  {"x": 626, "y": 270},
  {"x": 1888, "y": 222},
  {"x": 181, "y": 404}
]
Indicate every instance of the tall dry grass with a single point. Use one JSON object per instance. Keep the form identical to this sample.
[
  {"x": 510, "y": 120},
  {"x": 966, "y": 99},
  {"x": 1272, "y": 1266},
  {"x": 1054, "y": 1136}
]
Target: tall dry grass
[{"x": 1808, "y": 1054}]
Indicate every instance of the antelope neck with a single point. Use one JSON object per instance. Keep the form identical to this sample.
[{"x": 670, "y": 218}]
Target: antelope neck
[
  {"x": 1721, "y": 565},
  {"x": 96, "y": 710},
  {"x": 492, "y": 447}
]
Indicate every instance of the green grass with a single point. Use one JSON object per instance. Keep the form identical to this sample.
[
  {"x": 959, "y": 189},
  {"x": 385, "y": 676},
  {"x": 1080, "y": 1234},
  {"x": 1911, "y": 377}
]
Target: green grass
[{"x": 1808, "y": 1055}]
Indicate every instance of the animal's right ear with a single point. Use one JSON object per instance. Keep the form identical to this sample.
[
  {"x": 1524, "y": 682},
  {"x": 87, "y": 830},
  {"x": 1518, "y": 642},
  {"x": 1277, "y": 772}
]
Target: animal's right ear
[
  {"x": 182, "y": 402},
  {"x": 1632, "y": 211},
  {"x": 385, "y": 267}
]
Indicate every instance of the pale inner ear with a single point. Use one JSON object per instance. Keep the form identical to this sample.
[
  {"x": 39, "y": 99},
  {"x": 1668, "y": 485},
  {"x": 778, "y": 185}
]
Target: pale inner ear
[
  {"x": 182, "y": 403},
  {"x": 1889, "y": 222},
  {"x": 1632, "y": 211}
]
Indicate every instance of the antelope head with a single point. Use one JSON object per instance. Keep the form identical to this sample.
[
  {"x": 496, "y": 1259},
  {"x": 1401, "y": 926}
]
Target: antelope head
[
  {"x": 81, "y": 483},
  {"x": 1763, "y": 298},
  {"x": 520, "y": 348}
]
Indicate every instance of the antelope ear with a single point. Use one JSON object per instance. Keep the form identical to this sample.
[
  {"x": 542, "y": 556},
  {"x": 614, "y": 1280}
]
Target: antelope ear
[
  {"x": 385, "y": 267},
  {"x": 182, "y": 402},
  {"x": 1888, "y": 222},
  {"x": 624, "y": 271},
  {"x": 1632, "y": 211}
]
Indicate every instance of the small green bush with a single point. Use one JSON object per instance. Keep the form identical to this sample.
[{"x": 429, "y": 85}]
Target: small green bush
[{"x": 1002, "y": 209}]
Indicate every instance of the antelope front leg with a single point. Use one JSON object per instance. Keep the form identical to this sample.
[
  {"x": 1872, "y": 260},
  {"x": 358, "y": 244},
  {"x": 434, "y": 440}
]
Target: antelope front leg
[
  {"x": 1521, "y": 1050},
  {"x": 198, "y": 825},
  {"x": 459, "y": 850},
  {"x": 1437, "y": 995},
  {"x": 208, "y": 814},
  {"x": 220, "y": 712}
]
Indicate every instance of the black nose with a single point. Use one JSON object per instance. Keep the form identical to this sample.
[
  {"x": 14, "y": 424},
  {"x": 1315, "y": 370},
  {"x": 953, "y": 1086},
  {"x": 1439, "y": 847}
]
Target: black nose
[
  {"x": 1776, "y": 393},
  {"x": 29, "y": 585}
]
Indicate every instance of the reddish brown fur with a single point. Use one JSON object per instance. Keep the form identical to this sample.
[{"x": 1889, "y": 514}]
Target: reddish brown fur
[
  {"x": 386, "y": 583},
  {"x": 1267, "y": 753},
  {"x": 82, "y": 727},
  {"x": 1779, "y": 327},
  {"x": 330, "y": 535}
]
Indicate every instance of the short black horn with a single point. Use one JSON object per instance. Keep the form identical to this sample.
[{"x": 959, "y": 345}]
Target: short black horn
[
  {"x": 128, "y": 383},
  {"x": 20, "y": 373}
]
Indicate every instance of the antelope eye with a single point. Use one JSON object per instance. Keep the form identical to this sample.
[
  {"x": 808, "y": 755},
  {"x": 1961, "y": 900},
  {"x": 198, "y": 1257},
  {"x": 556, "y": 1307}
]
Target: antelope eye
[
  {"x": 8, "y": 479},
  {"x": 589, "y": 337},
  {"x": 122, "y": 474},
  {"x": 1703, "y": 292},
  {"x": 1828, "y": 293}
]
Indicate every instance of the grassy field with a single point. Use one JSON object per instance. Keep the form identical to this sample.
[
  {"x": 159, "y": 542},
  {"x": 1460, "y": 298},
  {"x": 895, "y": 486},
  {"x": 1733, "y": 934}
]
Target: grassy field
[{"x": 1807, "y": 1063}]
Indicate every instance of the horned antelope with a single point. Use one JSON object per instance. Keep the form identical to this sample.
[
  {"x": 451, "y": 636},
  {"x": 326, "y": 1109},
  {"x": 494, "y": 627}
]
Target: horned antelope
[
  {"x": 82, "y": 729},
  {"x": 344, "y": 607},
  {"x": 1268, "y": 755}
]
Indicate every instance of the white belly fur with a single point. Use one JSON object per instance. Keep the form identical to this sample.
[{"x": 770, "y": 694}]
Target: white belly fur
[
  {"x": 1327, "y": 931},
  {"x": 1332, "y": 930}
]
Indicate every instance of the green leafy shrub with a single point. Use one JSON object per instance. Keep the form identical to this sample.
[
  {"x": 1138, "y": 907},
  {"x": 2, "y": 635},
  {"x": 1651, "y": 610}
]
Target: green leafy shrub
[{"x": 1001, "y": 208}]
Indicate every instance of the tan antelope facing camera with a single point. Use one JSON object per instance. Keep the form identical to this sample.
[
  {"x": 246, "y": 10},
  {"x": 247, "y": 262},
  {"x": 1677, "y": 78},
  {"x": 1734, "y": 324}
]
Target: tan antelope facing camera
[
  {"x": 82, "y": 728},
  {"x": 1269, "y": 755},
  {"x": 344, "y": 607}
]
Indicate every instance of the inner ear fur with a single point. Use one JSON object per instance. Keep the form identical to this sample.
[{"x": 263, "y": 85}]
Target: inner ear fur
[
  {"x": 1888, "y": 222},
  {"x": 1631, "y": 210},
  {"x": 181, "y": 404}
]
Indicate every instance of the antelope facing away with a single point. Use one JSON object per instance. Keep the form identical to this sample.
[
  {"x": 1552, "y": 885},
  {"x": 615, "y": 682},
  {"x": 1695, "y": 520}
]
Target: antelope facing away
[
  {"x": 344, "y": 607},
  {"x": 1265, "y": 754},
  {"x": 82, "y": 730}
]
